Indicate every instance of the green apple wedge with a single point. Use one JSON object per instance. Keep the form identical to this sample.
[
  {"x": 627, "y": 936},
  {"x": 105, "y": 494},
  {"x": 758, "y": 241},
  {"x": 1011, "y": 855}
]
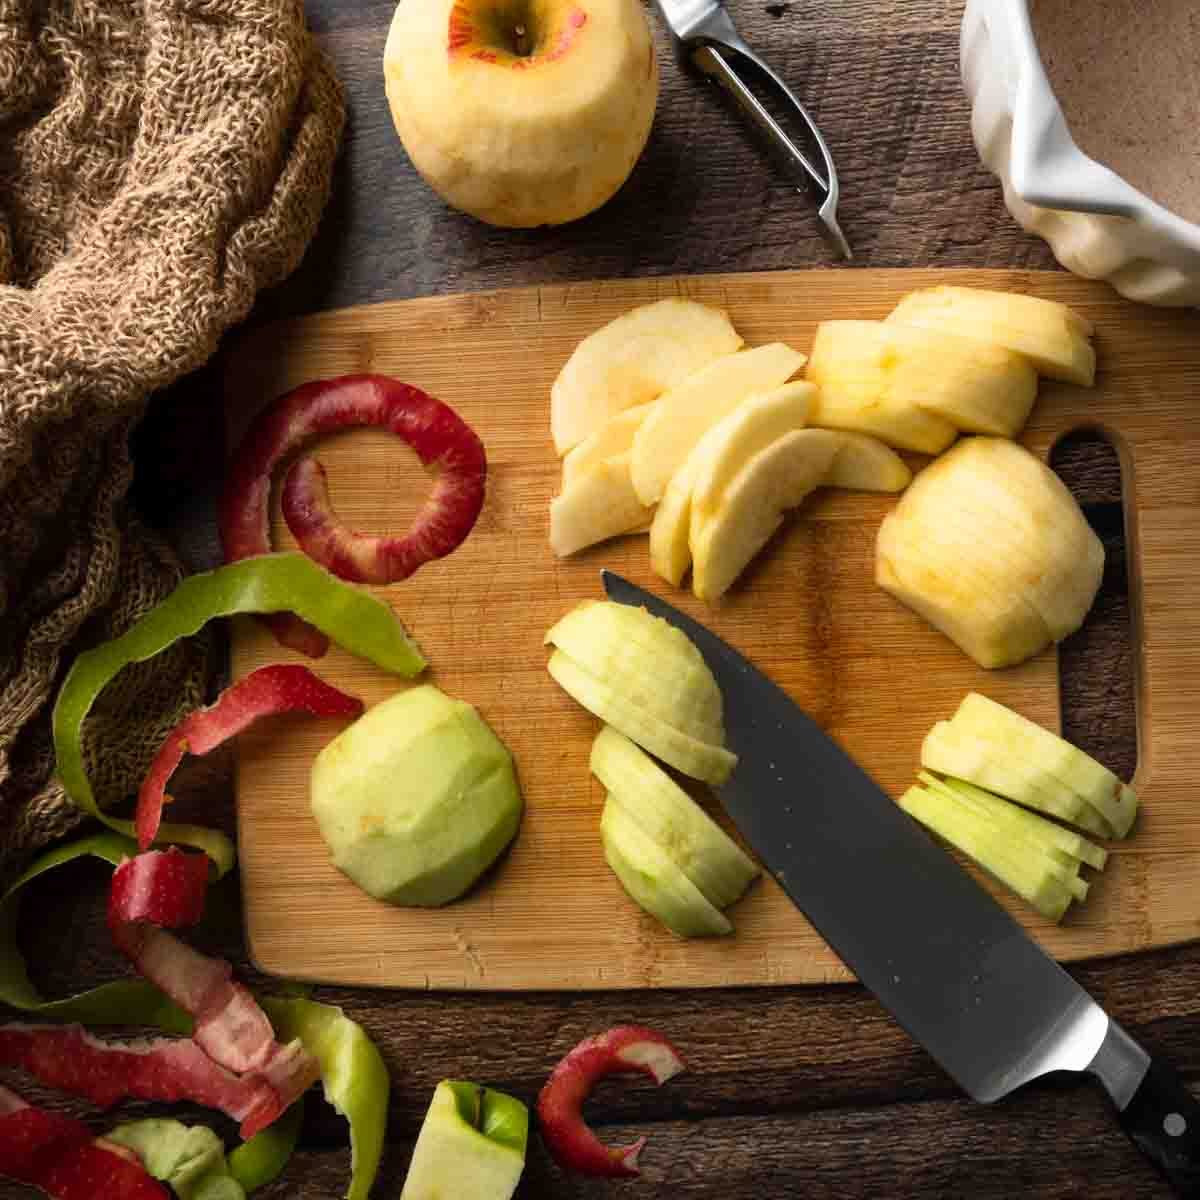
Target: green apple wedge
[
  {"x": 725, "y": 539},
  {"x": 472, "y": 1144},
  {"x": 651, "y": 663},
  {"x": 666, "y": 437},
  {"x": 1018, "y": 737},
  {"x": 416, "y": 799},
  {"x": 653, "y": 880},
  {"x": 632, "y": 360},
  {"x": 701, "y": 760},
  {"x": 701, "y": 849}
]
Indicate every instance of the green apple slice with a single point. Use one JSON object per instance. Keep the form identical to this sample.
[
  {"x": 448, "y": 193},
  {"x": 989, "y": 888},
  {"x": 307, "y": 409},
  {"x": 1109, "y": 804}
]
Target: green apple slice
[
  {"x": 701, "y": 849},
  {"x": 1029, "y": 875},
  {"x": 952, "y": 753},
  {"x": 596, "y": 505},
  {"x": 416, "y": 799},
  {"x": 472, "y": 1144},
  {"x": 653, "y": 880},
  {"x": 1030, "y": 742},
  {"x": 701, "y": 760},
  {"x": 667, "y": 436},
  {"x": 651, "y": 663},
  {"x": 725, "y": 539}
]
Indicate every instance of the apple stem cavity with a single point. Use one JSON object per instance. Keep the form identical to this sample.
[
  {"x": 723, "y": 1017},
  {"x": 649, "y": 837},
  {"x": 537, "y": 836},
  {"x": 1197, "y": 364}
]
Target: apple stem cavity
[{"x": 624, "y": 1049}]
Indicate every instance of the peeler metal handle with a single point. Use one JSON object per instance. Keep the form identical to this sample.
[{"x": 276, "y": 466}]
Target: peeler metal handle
[{"x": 714, "y": 47}]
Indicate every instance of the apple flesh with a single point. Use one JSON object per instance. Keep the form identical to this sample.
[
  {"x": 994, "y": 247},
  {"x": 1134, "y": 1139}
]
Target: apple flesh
[
  {"x": 472, "y": 1144},
  {"x": 416, "y": 799},
  {"x": 632, "y": 361},
  {"x": 524, "y": 112},
  {"x": 597, "y": 505}
]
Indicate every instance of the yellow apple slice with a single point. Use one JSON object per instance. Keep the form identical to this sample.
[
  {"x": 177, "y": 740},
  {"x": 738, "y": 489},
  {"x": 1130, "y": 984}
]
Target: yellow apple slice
[
  {"x": 751, "y": 509},
  {"x": 1052, "y": 336},
  {"x": 632, "y": 361},
  {"x": 599, "y": 505},
  {"x": 612, "y": 439},
  {"x": 701, "y": 760},
  {"x": 865, "y": 464},
  {"x": 974, "y": 385},
  {"x": 729, "y": 444},
  {"x": 670, "y": 551},
  {"x": 668, "y": 434}
]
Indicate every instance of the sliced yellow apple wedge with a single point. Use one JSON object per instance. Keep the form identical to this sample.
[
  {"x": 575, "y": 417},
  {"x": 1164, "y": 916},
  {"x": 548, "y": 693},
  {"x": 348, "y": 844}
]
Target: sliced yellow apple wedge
[
  {"x": 612, "y": 439},
  {"x": 598, "y": 505},
  {"x": 751, "y": 508},
  {"x": 728, "y": 445},
  {"x": 632, "y": 360},
  {"x": 701, "y": 760},
  {"x": 670, "y": 550},
  {"x": 652, "y": 664},
  {"x": 667, "y": 436},
  {"x": 1052, "y": 336},
  {"x": 865, "y": 464},
  {"x": 976, "y": 386}
]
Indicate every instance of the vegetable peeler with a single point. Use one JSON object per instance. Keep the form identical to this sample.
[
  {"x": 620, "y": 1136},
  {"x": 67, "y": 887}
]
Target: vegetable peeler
[{"x": 708, "y": 40}]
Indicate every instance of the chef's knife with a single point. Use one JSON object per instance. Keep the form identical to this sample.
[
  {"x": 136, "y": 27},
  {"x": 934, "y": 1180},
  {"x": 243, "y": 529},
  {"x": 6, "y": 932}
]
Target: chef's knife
[
  {"x": 706, "y": 38},
  {"x": 958, "y": 973}
]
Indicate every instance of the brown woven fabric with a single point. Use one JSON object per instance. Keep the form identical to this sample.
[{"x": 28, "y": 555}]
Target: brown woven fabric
[{"x": 160, "y": 162}]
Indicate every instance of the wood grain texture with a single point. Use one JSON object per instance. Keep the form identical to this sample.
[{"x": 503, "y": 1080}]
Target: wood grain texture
[
  {"x": 783, "y": 1081},
  {"x": 872, "y": 674}
]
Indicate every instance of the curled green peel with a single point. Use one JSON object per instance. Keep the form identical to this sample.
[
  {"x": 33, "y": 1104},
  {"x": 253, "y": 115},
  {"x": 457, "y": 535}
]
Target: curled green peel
[
  {"x": 257, "y": 1162},
  {"x": 291, "y": 582},
  {"x": 123, "y": 1002},
  {"x": 353, "y": 1075},
  {"x": 188, "y": 1158}
]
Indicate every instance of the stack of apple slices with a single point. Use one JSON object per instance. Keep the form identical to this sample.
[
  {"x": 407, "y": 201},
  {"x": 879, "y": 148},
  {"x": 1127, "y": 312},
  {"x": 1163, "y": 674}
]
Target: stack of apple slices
[
  {"x": 993, "y": 766},
  {"x": 644, "y": 677},
  {"x": 947, "y": 360},
  {"x": 670, "y": 856}
]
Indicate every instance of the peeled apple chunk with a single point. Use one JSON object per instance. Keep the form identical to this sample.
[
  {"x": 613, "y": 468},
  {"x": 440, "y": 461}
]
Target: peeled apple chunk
[
  {"x": 472, "y": 1144},
  {"x": 595, "y": 506},
  {"x": 1022, "y": 740},
  {"x": 632, "y": 360},
  {"x": 1052, "y": 336},
  {"x": 701, "y": 849},
  {"x": 990, "y": 547},
  {"x": 416, "y": 799},
  {"x": 650, "y": 662},
  {"x": 724, "y": 539},
  {"x": 652, "y": 878},
  {"x": 872, "y": 373},
  {"x": 666, "y": 437},
  {"x": 701, "y": 760}
]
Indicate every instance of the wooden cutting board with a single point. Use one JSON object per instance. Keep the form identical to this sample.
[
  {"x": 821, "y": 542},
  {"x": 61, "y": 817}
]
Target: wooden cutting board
[{"x": 551, "y": 915}]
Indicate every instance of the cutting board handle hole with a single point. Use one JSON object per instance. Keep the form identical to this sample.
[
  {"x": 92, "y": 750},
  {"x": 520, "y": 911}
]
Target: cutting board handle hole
[{"x": 1098, "y": 665}]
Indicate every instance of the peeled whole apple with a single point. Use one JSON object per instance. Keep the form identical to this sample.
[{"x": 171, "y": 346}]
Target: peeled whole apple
[{"x": 522, "y": 112}]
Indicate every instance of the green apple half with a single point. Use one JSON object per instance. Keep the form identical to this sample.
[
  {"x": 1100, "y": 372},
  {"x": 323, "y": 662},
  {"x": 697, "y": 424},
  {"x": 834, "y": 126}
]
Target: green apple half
[
  {"x": 417, "y": 798},
  {"x": 471, "y": 1145},
  {"x": 522, "y": 112}
]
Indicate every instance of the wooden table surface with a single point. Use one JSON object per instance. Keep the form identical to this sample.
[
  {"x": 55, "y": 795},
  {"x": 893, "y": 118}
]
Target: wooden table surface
[{"x": 809, "y": 1092}]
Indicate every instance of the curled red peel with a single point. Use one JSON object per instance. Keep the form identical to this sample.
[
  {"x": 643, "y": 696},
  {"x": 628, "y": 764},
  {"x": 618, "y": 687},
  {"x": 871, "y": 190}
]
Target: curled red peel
[
  {"x": 63, "y": 1158},
  {"x": 67, "y": 1057},
  {"x": 283, "y": 687},
  {"x": 627, "y": 1048},
  {"x": 441, "y": 440},
  {"x": 163, "y": 888}
]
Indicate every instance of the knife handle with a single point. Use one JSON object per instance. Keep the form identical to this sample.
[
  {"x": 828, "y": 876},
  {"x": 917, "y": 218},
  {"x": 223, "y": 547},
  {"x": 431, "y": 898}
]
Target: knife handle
[{"x": 1163, "y": 1121}]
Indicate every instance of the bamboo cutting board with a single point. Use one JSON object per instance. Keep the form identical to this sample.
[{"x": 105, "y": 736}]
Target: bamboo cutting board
[{"x": 551, "y": 915}]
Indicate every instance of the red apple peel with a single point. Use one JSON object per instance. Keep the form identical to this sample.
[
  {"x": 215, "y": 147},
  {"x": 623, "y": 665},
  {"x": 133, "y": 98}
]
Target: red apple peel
[
  {"x": 284, "y": 687},
  {"x": 627, "y": 1048},
  {"x": 441, "y": 440}
]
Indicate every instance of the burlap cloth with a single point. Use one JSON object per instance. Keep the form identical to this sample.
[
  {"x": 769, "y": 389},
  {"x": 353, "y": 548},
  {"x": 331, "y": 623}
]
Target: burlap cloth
[{"x": 160, "y": 162}]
